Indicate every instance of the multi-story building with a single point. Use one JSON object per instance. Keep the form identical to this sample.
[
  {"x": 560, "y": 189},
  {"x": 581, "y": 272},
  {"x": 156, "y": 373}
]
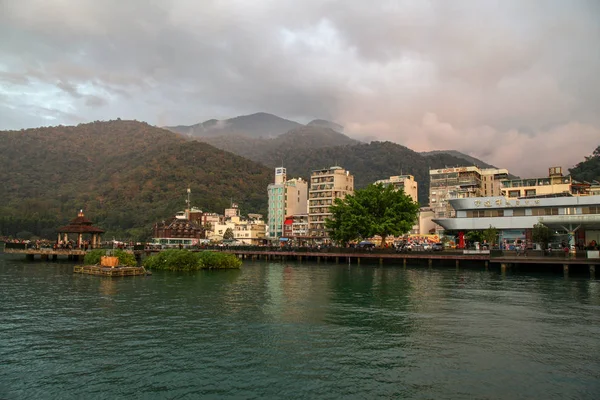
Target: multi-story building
[
  {"x": 250, "y": 231},
  {"x": 232, "y": 211},
  {"x": 576, "y": 219},
  {"x": 459, "y": 183},
  {"x": 554, "y": 185},
  {"x": 404, "y": 182},
  {"x": 295, "y": 229},
  {"x": 326, "y": 185},
  {"x": 286, "y": 197},
  {"x": 492, "y": 178},
  {"x": 176, "y": 231}
]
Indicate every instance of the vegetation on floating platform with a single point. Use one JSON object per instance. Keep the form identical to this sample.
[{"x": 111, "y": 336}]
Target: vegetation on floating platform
[
  {"x": 93, "y": 257},
  {"x": 185, "y": 260}
]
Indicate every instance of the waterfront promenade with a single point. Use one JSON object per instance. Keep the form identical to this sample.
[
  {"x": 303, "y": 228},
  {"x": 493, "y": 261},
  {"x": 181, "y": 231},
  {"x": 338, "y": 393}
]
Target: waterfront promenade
[{"x": 505, "y": 260}]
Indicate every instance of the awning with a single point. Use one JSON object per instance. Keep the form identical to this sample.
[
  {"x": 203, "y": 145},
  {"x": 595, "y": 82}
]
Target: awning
[{"x": 283, "y": 239}]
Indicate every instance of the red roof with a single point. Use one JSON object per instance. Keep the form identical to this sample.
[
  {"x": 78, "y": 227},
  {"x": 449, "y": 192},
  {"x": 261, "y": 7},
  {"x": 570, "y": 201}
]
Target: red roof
[{"x": 79, "y": 225}]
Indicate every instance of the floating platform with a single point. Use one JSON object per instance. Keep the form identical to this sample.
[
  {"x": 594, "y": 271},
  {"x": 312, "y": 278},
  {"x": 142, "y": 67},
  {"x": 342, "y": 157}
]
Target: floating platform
[{"x": 100, "y": 270}]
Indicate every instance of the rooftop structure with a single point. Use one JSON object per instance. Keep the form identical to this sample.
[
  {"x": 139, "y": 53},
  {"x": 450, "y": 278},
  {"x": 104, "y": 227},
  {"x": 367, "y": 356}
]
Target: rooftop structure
[
  {"x": 554, "y": 184},
  {"x": 404, "y": 182}
]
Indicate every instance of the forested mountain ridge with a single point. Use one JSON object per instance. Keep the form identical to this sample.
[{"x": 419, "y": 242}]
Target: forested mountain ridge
[
  {"x": 589, "y": 169},
  {"x": 458, "y": 154},
  {"x": 126, "y": 175},
  {"x": 270, "y": 151},
  {"x": 254, "y": 125},
  {"x": 367, "y": 162}
]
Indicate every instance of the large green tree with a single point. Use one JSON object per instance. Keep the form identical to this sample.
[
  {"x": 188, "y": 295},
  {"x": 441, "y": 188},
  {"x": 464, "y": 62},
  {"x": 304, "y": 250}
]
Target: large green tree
[
  {"x": 490, "y": 235},
  {"x": 541, "y": 235},
  {"x": 374, "y": 210}
]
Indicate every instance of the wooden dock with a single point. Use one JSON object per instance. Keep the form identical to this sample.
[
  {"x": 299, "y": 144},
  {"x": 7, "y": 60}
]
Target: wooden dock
[
  {"x": 110, "y": 271},
  {"x": 45, "y": 254}
]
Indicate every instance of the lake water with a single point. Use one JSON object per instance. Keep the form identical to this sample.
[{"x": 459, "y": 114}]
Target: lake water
[{"x": 312, "y": 331}]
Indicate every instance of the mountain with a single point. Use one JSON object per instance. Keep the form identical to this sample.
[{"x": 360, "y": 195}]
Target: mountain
[
  {"x": 125, "y": 175},
  {"x": 367, "y": 162},
  {"x": 270, "y": 151},
  {"x": 458, "y": 154},
  {"x": 254, "y": 125},
  {"x": 588, "y": 170},
  {"x": 326, "y": 124}
]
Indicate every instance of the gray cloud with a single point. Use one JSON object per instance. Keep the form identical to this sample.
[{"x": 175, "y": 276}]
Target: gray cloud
[{"x": 504, "y": 80}]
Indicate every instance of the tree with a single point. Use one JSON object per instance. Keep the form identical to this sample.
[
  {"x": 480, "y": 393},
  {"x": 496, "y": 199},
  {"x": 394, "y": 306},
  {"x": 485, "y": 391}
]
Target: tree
[
  {"x": 207, "y": 229},
  {"x": 541, "y": 235},
  {"x": 474, "y": 236},
  {"x": 588, "y": 170},
  {"x": 374, "y": 210},
  {"x": 490, "y": 235},
  {"x": 228, "y": 234}
]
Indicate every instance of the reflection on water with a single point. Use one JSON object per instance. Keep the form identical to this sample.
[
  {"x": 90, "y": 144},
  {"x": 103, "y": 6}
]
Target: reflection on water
[{"x": 297, "y": 331}]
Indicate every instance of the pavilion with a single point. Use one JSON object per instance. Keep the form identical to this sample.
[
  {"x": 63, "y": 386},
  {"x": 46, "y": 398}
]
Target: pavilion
[{"x": 80, "y": 225}]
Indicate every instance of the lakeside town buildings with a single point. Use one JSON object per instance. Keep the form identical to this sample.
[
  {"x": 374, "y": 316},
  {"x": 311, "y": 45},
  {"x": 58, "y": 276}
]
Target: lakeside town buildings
[
  {"x": 404, "y": 182},
  {"x": 459, "y": 183},
  {"x": 192, "y": 227},
  {"x": 326, "y": 185},
  {"x": 286, "y": 197},
  {"x": 462, "y": 199},
  {"x": 571, "y": 209}
]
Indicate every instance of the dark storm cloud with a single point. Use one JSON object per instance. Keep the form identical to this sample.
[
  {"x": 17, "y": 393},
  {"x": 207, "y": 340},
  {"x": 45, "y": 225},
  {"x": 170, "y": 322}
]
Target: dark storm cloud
[{"x": 500, "y": 79}]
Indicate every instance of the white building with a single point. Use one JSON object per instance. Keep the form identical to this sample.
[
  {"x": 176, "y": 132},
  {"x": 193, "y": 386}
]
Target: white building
[
  {"x": 326, "y": 185},
  {"x": 286, "y": 197},
  {"x": 575, "y": 216}
]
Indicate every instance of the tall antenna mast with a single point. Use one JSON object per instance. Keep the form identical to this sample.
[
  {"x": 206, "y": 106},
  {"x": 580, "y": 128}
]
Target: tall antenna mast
[{"x": 188, "y": 198}]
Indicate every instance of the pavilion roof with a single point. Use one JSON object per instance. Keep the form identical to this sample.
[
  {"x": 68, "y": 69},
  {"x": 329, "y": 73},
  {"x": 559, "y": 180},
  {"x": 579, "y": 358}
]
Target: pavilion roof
[{"x": 80, "y": 224}]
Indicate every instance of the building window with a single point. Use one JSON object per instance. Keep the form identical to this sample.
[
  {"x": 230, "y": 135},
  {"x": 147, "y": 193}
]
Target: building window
[
  {"x": 519, "y": 212},
  {"x": 529, "y": 192},
  {"x": 514, "y": 193},
  {"x": 485, "y": 213},
  {"x": 590, "y": 210}
]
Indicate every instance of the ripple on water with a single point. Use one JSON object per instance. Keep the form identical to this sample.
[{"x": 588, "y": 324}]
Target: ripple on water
[{"x": 297, "y": 331}]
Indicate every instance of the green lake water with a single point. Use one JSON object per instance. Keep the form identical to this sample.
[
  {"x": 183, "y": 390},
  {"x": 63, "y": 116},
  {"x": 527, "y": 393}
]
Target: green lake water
[{"x": 306, "y": 331}]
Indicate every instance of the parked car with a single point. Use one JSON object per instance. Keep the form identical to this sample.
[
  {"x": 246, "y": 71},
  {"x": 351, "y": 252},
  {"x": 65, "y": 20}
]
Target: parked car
[
  {"x": 437, "y": 247},
  {"x": 366, "y": 245},
  {"x": 403, "y": 247}
]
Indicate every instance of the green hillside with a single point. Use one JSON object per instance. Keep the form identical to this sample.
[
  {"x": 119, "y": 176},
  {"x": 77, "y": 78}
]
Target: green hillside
[
  {"x": 126, "y": 175},
  {"x": 270, "y": 151},
  {"x": 367, "y": 162},
  {"x": 588, "y": 170}
]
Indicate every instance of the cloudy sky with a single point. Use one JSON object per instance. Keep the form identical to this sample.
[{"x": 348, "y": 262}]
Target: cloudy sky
[{"x": 516, "y": 83}]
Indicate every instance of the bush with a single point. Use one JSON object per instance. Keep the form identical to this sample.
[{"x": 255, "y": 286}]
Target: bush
[
  {"x": 125, "y": 258},
  {"x": 185, "y": 260},
  {"x": 213, "y": 260},
  {"x": 93, "y": 257},
  {"x": 25, "y": 235}
]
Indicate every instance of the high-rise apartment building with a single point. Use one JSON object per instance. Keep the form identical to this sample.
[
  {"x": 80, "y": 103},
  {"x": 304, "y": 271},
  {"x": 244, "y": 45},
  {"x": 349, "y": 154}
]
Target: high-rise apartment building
[
  {"x": 286, "y": 197},
  {"x": 492, "y": 179},
  {"x": 459, "y": 183},
  {"x": 325, "y": 186},
  {"x": 405, "y": 182}
]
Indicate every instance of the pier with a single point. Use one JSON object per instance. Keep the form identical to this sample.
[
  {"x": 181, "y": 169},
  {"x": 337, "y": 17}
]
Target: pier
[
  {"x": 110, "y": 271},
  {"x": 505, "y": 260},
  {"x": 45, "y": 253}
]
